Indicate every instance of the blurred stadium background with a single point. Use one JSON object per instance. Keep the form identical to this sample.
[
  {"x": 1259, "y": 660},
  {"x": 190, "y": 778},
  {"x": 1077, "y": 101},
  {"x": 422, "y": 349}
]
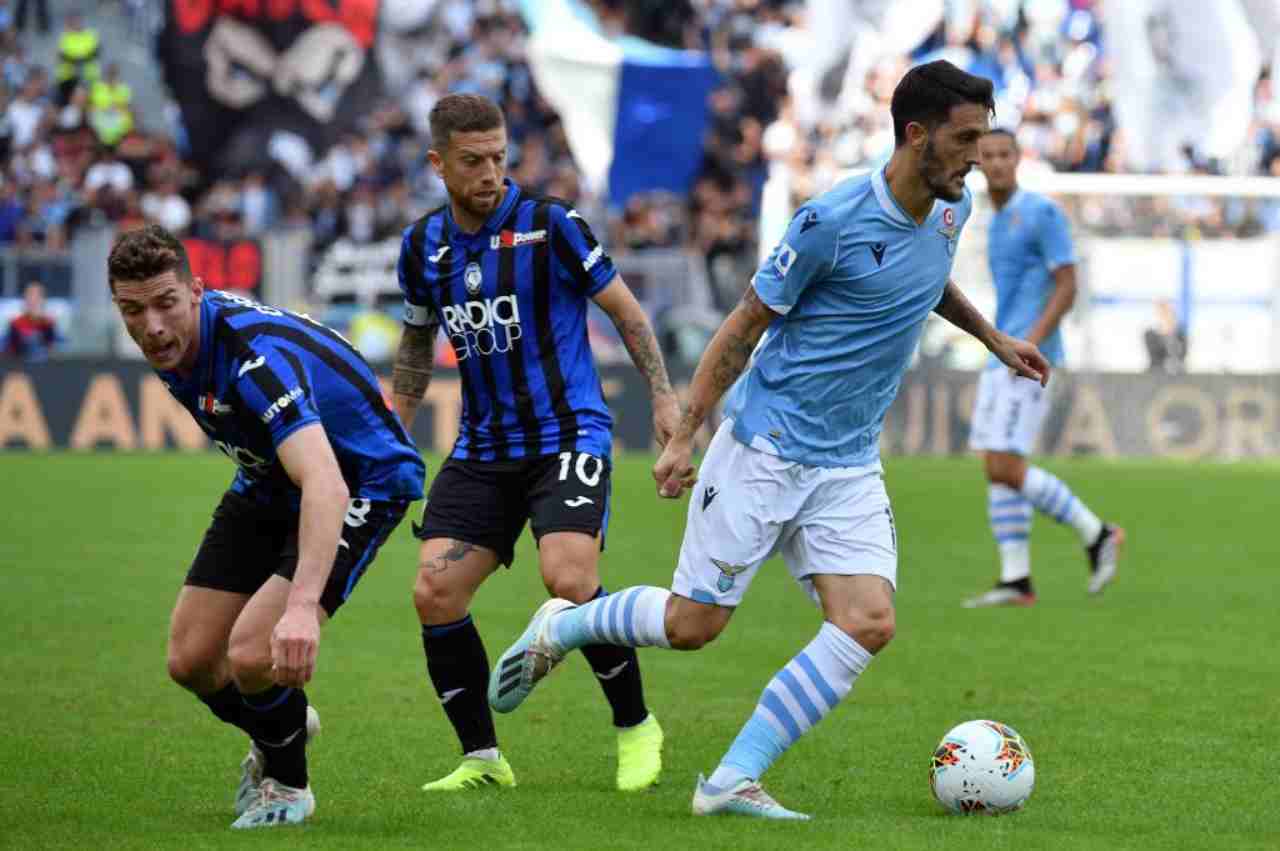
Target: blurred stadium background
[{"x": 286, "y": 140}]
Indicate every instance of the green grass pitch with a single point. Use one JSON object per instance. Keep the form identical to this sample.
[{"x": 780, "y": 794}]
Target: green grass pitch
[{"x": 1151, "y": 712}]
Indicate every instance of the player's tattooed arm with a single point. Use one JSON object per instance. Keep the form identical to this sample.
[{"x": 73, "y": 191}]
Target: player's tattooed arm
[
  {"x": 411, "y": 373},
  {"x": 725, "y": 359},
  {"x": 1019, "y": 355},
  {"x": 637, "y": 334}
]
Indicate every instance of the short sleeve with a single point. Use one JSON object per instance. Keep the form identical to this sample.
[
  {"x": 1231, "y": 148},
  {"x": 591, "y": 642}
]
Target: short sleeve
[
  {"x": 579, "y": 255},
  {"x": 805, "y": 255},
  {"x": 410, "y": 272},
  {"x": 275, "y": 387},
  {"x": 1053, "y": 233}
]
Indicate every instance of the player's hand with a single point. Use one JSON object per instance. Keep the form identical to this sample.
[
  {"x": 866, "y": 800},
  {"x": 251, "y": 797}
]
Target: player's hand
[
  {"x": 666, "y": 417},
  {"x": 1022, "y": 357},
  {"x": 674, "y": 471},
  {"x": 295, "y": 642}
]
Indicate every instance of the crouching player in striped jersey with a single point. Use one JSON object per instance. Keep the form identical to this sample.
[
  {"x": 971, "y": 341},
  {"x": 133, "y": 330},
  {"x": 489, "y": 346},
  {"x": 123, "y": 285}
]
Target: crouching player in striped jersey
[
  {"x": 326, "y": 472},
  {"x": 507, "y": 277}
]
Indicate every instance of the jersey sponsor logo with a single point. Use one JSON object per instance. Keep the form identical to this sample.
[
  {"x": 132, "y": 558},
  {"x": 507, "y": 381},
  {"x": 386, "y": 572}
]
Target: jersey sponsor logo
[
  {"x": 593, "y": 258},
  {"x": 728, "y": 574},
  {"x": 786, "y": 257},
  {"x": 708, "y": 494},
  {"x": 877, "y": 251},
  {"x": 250, "y": 365},
  {"x": 209, "y": 405},
  {"x": 280, "y": 404},
  {"x": 483, "y": 327},
  {"x": 439, "y": 255},
  {"x": 473, "y": 277},
  {"x": 514, "y": 238}
]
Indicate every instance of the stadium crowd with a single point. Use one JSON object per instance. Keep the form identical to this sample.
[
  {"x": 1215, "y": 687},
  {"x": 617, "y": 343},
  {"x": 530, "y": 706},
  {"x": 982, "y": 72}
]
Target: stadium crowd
[{"x": 73, "y": 152}]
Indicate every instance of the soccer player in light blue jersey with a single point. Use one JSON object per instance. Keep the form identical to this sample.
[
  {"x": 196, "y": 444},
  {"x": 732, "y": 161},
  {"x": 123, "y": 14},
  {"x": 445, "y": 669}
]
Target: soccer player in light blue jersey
[
  {"x": 832, "y": 317},
  {"x": 1033, "y": 265}
]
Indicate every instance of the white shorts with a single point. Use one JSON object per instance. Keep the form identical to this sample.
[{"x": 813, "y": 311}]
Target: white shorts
[
  {"x": 749, "y": 505},
  {"x": 1008, "y": 412}
]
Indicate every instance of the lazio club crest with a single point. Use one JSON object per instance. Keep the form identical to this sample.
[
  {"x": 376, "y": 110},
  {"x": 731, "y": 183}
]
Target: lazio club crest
[
  {"x": 728, "y": 574},
  {"x": 949, "y": 231}
]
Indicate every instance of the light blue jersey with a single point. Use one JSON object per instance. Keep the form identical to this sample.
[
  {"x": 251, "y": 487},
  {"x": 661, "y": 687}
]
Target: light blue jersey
[
  {"x": 1029, "y": 239},
  {"x": 854, "y": 279}
]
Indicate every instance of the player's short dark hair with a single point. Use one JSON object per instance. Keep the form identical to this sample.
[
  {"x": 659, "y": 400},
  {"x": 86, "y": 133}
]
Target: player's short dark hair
[
  {"x": 926, "y": 94},
  {"x": 1006, "y": 133},
  {"x": 143, "y": 253},
  {"x": 462, "y": 114}
]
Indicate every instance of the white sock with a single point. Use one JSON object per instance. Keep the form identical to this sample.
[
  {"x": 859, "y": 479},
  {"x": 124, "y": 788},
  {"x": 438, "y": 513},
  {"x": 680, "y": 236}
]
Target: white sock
[
  {"x": 1051, "y": 496},
  {"x": 632, "y": 617},
  {"x": 490, "y": 754},
  {"x": 1010, "y": 515}
]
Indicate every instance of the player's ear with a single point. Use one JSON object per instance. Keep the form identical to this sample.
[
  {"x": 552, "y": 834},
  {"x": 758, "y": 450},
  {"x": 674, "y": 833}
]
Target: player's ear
[
  {"x": 197, "y": 288},
  {"x": 917, "y": 135},
  {"x": 437, "y": 161}
]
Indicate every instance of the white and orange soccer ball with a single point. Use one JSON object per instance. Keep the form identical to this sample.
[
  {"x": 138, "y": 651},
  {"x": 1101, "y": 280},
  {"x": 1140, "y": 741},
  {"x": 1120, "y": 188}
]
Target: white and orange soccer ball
[{"x": 982, "y": 767}]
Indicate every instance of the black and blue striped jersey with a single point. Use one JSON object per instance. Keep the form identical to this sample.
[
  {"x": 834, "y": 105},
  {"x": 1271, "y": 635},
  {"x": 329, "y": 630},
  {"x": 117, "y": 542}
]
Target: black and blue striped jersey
[
  {"x": 262, "y": 373},
  {"x": 512, "y": 300}
]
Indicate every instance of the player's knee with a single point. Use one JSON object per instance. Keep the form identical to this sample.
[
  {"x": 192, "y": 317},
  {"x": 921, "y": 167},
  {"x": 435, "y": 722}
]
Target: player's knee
[
  {"x": 191, "y": 670},
  {"x": 436, "y": 599},
  {"x": 576, "y": 586},
  {"x": 692, "y": 632},
  {"x": 872, "y": 628},
  {"x": 1005, "y": 470},
  {"x": 249, "y": 659}
]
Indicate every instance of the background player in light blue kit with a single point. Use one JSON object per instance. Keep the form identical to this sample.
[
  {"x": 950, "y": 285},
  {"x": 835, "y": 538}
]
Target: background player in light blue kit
[
  {"x": 1033, "y": 266},
  {"x": 795, "y": 467}
]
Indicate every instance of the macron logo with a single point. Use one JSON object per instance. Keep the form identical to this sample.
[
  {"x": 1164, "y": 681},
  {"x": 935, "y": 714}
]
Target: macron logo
[
  {"x": 251, "y": 365},
  {"x": 439, "y": 255}
]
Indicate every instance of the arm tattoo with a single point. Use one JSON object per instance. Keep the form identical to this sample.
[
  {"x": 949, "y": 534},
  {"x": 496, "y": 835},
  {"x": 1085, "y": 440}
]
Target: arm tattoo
[
  {"x": 457, "y": 551},
  {"x": 732, "y": 358},
  {"x": 415, "y": 360},
  {"x": 957, "y": 310},
  {"x": 645, "y": 354}
]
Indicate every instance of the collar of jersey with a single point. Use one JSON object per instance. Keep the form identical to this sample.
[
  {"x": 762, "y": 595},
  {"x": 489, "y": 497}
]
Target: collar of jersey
[
  {"x": 890, "y": 204},
  {"x": 494, "y": 223}
]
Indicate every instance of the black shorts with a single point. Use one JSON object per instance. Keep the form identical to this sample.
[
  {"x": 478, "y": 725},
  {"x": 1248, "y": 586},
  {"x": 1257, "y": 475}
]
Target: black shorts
[
  {"x": 249, "y": 542},
  {"x": 486, "y": 503}
]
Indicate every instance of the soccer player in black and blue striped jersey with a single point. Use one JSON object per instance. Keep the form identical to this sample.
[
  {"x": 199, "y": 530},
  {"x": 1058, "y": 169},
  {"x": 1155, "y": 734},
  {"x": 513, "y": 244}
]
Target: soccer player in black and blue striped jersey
[
  {"x": 507, "y": 277},
  {"x": 325, "y": 473}
]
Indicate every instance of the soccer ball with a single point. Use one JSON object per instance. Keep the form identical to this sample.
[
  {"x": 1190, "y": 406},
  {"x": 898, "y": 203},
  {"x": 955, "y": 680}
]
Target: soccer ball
[{"x": 982, "y": 767}]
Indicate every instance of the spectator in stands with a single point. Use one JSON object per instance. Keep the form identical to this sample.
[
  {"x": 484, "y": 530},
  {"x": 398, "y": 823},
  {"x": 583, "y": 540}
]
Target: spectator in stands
[
  {"x": 259, "y": 205},
  {"x": 32, "y": 334},
  {"x": 1166, "y": 341},
  {"x": 27, "y": 110},
  {"x": 110, "y": 107},
  {"x": 164, "y": 206},
  {"x": 77, "y": 57},
  {"x": 12, "y": 211},
  {"x": 41, "y": 16}
]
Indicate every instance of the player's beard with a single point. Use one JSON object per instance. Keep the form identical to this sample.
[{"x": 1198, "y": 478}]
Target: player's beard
[{"x": 936, "y": 177}]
